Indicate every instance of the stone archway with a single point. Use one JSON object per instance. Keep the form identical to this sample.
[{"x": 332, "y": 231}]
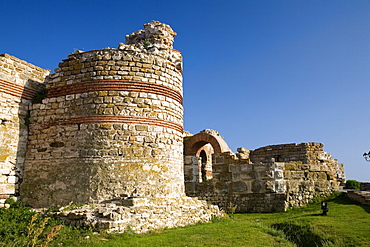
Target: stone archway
[
  {"x": 194, "y": 143},
  {"x": 203, "y": 145}
]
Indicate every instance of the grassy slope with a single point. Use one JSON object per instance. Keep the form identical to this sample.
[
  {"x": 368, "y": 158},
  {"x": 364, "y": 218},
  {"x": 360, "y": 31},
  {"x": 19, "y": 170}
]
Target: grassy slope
[
  {"x": 347, "y": 224},
  {"x": 228, "y": 232}
]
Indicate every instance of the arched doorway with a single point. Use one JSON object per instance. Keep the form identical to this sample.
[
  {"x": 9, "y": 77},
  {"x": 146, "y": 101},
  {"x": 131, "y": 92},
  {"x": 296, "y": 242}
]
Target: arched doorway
[
  {"x": 203, "y": 145},
  {"x": 202, "y": 170}
]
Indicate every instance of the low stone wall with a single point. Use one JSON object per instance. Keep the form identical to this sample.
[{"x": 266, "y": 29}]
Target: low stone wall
[
  {"x": 141, "y": 214},
  {"x": 365, "y": 186},
  {"x": 362, "y": 197},
  {"x": 20, "y": 82}
]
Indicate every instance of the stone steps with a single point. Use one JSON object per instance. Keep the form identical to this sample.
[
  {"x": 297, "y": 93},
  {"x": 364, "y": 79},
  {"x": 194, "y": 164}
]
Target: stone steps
[{"x": 362, "y": 197}]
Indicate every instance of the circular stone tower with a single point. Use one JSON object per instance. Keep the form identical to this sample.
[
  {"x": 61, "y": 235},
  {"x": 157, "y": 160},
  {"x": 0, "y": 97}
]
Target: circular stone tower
[{"x": 110, "y": 126}]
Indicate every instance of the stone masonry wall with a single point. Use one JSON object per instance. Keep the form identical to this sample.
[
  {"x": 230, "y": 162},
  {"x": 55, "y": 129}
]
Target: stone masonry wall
[
  {"x": 310, "y": 152},
  {"x": 113, "y": 115},
  {"x": 266, "y": 186},
  {"x": 308, "y": 156},
  {"x": 20, "y": 82},
  {"x": 252, "y": 187},
  {"x": 365, "y": 186}
]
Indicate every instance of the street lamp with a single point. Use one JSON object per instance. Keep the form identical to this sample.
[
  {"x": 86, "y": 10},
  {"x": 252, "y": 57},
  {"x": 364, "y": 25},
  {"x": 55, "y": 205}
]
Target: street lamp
[
  {"x": 324, "y": 207},
  {"x": 367, "y": 156}
]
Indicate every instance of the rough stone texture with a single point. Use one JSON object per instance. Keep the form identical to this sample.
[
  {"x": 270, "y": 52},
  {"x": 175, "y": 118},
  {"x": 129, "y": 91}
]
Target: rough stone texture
[
  {"x": 110, "y": 127},
  {"x": 156, "y": 34},
  {"x": 365, "y": 186},
  {"x": 362, "y": 197},
  {"x": 19, "y": 83},
  {"x": 141, "y": 214},
  {"x": 254, "y": 182}
]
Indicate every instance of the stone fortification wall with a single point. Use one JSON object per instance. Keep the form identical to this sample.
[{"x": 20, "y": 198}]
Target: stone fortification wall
[
  {"x": 20, "y": 82},
  {"x": 364, "y": 186},
  {"x": 109, "y": 127},
  {"x": 252, "y": 187},
  {"x": 310, "y": 152},
  {"x": 304, "y": 182},
  {"x": 308, "y": 156},
  {"x": 264, "y": 186}
]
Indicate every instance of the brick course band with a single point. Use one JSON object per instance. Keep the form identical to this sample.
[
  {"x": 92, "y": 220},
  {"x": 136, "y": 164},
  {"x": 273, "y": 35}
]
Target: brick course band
[
  {"x": 119, "y": 119},
  {"x": 114, "y": 85},
  {"x": 17, "y": 90}
]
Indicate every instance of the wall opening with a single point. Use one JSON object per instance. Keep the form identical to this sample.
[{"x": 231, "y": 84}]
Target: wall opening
[
  {"x": 203, "y": 157},
  {"x": 202, "y": 146}
]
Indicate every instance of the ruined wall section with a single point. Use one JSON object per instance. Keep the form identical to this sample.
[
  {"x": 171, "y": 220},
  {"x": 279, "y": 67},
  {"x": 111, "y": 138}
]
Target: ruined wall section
[
  {"x": 252, "y": 187},
  {"x": 311, "y": 155},
  {"x": 20, "y": 82},
  {"x": 266, "y": 186},
  {"x": 304, "y": 182},
  {"x": 310, "y": 152}
]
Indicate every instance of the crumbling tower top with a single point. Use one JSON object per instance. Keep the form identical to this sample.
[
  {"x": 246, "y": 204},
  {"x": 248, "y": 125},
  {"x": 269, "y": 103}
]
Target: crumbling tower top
[{"x": 155, "y": 34}]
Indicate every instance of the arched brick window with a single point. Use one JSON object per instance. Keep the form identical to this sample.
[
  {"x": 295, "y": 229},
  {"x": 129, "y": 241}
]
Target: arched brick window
[{"x": 203, "y": 145}]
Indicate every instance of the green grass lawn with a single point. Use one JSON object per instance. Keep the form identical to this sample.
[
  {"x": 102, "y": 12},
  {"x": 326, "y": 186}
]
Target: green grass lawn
[{"x": 347, "y": 224}]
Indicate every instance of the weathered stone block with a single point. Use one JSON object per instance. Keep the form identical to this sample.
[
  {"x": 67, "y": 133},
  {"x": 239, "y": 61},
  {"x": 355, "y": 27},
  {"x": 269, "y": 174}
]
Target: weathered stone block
[
  {"x": 188, "y": 160},
  {"x": 235, "y": 176},
  {"x": 224, "y": 168},
  {"x": 291, "y": 166},
  {"x": 270, "y": 186},
  {"x": 279, "y": 174},
  {"x": 257, "y": 186},
  {"x": 247, "y": 175},
  {"x": 235, "y": 168},
  {"x": 225, "y": 176},
  {"x": 219, "y": 160},
  {"x": 7, "y": 189},
  {"x": 239, "y": 186},
  {"x": 280, "y": 186}
]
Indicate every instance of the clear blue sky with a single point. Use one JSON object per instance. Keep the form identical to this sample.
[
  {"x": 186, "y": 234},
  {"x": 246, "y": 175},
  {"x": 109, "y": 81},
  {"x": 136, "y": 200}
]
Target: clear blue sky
[{"x": 259, "y": 72}]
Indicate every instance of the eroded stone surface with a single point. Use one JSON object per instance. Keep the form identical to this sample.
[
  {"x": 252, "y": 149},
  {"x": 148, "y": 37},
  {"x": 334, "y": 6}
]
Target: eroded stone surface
[
  {"x": 19, "y": 83},
  {"x": 142, "y": 214}
]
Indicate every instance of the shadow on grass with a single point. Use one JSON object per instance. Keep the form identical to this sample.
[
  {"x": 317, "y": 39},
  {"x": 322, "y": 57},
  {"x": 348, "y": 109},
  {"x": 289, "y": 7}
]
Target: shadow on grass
[
  {"x": 300, "y": 233},
  {"x": 344, "y": 200},
  {"x": 316, "y": 215}
]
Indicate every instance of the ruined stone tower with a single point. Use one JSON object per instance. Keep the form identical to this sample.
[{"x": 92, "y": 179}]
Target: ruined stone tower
[{"x": 110, "y": 126}]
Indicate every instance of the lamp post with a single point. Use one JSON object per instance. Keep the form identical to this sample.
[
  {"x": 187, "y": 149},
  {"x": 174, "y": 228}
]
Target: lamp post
[
  {"x": 367, "y": 156},
  {"x": 324, "y": 207}
]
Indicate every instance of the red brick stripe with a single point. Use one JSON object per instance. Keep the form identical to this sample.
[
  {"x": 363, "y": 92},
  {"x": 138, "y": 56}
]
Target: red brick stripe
[
  {"x": 114, "y": 85},
  {"x": 17, "y": 90},
  {"x": 119, "y": 119}
]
